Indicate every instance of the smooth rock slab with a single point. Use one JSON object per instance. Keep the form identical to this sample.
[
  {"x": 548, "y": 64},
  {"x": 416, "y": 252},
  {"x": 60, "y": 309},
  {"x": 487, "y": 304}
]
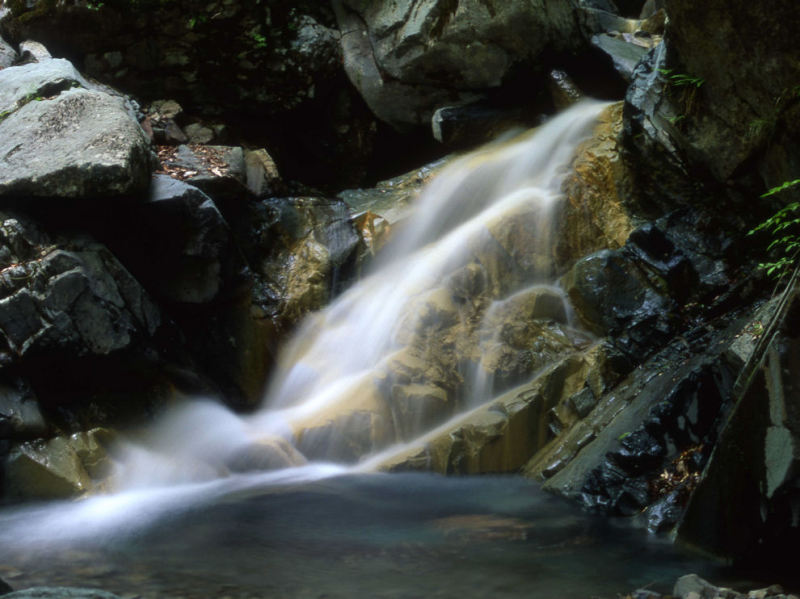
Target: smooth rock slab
[{"x": 79, "y": 144}]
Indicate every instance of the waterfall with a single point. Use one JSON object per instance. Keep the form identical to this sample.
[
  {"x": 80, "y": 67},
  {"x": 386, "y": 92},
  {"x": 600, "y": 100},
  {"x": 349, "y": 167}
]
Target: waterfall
[{"x": 412, "y": 344}]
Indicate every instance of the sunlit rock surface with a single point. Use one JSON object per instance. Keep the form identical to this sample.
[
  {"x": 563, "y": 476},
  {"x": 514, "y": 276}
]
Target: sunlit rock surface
[
  {"x": 597, "y": 211},
  {"x": 58, "y": 139}
]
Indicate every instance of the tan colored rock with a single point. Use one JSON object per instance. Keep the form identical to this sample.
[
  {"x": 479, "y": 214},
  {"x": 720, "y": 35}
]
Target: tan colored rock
[
  {"x": 503, "y": 435},
  {"x": 61, "y": 467},
  {"x": 263, "y": 178},
  {"x": 48, "y": 470},
  {"x": 307, "y": 274},
  {"x": 416, "y": 408},
  {"x": 594, "y": 213}
]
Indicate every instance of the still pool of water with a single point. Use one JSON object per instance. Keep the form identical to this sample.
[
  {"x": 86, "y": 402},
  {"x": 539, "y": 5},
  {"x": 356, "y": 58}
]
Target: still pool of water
[{"x": 388, "y": 536}]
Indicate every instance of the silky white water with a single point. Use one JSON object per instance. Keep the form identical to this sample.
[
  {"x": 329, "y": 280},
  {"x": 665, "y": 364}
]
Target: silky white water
[{"x": 337, "y": 353}]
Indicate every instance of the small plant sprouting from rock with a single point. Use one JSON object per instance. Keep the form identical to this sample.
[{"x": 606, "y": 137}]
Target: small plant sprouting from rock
[
  {"x": 784, "y": 228},
  {"x": 681, "y": 79}
]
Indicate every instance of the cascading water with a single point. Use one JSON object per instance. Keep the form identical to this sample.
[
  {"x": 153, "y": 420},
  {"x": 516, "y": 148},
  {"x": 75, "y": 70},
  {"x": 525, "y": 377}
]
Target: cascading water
[
  {"x": 434, "y": 332},
  {"x": 361, "y": 375}
]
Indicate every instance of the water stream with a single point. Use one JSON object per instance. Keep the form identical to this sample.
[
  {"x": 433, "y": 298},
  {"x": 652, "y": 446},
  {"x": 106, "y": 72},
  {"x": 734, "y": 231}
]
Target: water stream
[{"x": 182, "y": 522}]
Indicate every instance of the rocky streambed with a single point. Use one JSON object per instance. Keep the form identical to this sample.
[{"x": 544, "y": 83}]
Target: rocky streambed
[{"x": 162, "y": 247}]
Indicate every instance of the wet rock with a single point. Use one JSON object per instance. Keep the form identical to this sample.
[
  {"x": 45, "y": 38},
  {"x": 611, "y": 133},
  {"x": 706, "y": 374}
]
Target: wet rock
[
  {"x": 665, "y": 513},
  {"x": 502, "y": 435},
  {"x": 652, "y": 134},
  {"x": 346, "y": 433},
  {"x": 301, "y": 250},
  {"x": 61, "y": 593},
  {"x": 91, "y": 144},
  {"x": 671, "y": 405},
  {"x": 405, "y": 63},
  {"x": 611, "y": 295},
  {"x": 416, "y": 407},
  {"x": 20, "y": 416},
  {"x": 4, "y": 587},
  {"x": 8, "y": 56},
  {"x": 597, "y": 209},
  {"x": 390, "y": 199},
  {"x": 266, "y": 454},
  {"x": 756, "y": 459},
  {"x": 563, "y": 89},
  {"x": 50, "y": 470},
  {"x": 521, "y": 335}
]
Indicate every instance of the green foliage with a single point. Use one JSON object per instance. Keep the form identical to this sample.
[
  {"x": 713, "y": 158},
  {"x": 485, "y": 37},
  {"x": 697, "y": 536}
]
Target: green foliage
[
  {"x": 681, "y": 79},
  {"x": 784, "y": 230}
]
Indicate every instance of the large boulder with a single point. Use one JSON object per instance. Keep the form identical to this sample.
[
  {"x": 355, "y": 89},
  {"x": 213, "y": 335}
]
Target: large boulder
[
  {"x": 70, "y": 297},
  {"x": 747, "y": 85},
  {"x": 409, "y": 58},
  {"x": 706, "y": 86},
  {"x": 278, "y": 77},
  {"x": 59, "y": 139}
]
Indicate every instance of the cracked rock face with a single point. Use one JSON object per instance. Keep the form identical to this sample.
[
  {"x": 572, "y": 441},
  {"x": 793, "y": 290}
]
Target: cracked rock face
[
  {"x": 73, "y": 298},
  {"x": 409, "y": 58},
  {"x": 58, "y": 139}
]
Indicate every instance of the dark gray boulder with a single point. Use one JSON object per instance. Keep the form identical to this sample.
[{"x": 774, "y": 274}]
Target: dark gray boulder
[
  {"x": 746, "y": 504},
  {"x": 67, "y": 296},
  {"x": 58, "y": 139},
  {"x": 749, "y": 85},
  {"x": 409, "y": 58},
  {"x": 185, "y": 252}
]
